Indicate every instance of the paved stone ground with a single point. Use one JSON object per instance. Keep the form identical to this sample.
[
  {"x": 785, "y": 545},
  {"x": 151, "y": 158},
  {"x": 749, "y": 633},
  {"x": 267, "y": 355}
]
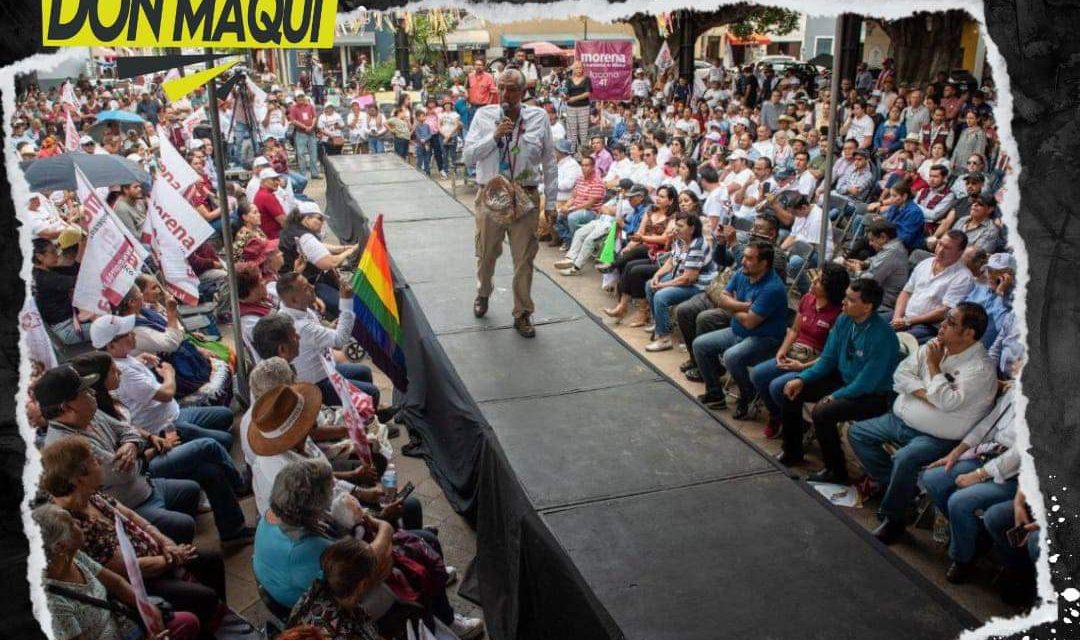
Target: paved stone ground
[{"x": 459, "y": 541}]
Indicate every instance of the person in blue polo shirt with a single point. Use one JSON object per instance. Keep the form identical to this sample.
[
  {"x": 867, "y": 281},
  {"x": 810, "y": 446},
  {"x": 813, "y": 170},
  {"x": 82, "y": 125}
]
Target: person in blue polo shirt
[{"x": 757, "y": 301}]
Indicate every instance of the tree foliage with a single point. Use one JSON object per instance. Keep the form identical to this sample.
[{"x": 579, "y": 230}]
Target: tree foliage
[
  {"x": 742, "y": 20},
  {"x": 925, "y": 43}
]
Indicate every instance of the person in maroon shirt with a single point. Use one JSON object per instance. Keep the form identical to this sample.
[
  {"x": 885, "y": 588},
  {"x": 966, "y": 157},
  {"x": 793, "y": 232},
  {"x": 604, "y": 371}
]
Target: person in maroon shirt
[
  {"x": 271, "y": 213},
  {"x": 818, "y": 311},
  {"x": 302, "y": 117}
]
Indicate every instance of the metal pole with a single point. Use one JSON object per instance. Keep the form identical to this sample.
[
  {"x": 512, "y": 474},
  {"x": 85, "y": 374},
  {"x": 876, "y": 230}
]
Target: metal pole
[
  {"x": 226, "y": 230},
  {"x": 830, "y": 148}
]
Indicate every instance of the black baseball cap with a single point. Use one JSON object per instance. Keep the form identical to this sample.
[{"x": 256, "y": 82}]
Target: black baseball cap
[
  {"x": 626, "y": 184},
  {"x": 61, "y": 384},
  {"x": 975, "y": 176}
]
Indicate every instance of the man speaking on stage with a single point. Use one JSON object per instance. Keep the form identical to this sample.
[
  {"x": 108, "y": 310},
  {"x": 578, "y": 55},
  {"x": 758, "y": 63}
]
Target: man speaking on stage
[{"x": 509, "y": 144}]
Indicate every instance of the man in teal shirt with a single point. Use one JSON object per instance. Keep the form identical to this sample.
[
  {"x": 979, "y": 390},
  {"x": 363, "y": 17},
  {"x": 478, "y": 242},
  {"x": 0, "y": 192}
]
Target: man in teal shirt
[{"x": 852, "y": 379}]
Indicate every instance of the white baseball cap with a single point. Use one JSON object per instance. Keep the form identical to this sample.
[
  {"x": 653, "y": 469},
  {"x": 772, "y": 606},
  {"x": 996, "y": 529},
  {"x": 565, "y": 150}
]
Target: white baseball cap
[
  {"x": 86, "y": 140},
  {"x": 261, "y": 161},
  {"x": 299, "y": 92},
  {"x": 108, "y": 328},
  {"x": 737, "y": 154},
  {"x": 196, "y": 143},
  {"x": 268, "y": 173},
  {"x": 307, "y": 208}
]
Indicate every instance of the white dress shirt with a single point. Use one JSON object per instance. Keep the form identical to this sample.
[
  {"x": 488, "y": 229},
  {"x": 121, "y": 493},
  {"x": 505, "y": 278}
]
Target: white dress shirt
[
  {"x": 951, "y": 409},
  {"x": 929, "y": 292},
  {"x": 569, "y": 172},
  {"x": 536, "y": 144},
  {"x": 316, "y": 338}
]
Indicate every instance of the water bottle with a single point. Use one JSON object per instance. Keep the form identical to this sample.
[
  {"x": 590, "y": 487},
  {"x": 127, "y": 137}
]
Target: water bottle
[
  {"x": 389, "y": 483},
  {"x": 941, "y": 529}
]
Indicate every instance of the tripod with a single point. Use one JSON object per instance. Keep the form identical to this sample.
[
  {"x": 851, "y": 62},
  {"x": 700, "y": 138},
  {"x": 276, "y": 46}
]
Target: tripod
[{"x": 242, "y": 102}]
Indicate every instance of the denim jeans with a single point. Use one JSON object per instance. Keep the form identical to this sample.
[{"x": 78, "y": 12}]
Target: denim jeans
[
  {"x": 450, "y": 153},
  {"x": 901, "y": 472},
  {"x": 769, "y": 381},
  {"x": 423, "y": 158},
  {"x": 438, "y": 152},
  {"x": 307, "y": 153},
  {"x": 738, "y": 355},
  {"x": 376, "y": 145},
  {"x": 358, "y": 375},
  {"x": 205, "y": 461},
  {"x": 661, "y": 301},
  {"x": 172, "y": 508},
  {"x": 243, "y": 146},
  {"x": 67, "y": 333},
  {"x": 299, "y": 182},
  {"x": 401, "y": 147},
  {"x": 960, "y": 505},
  {"x": 566, "y": 225},
  {"x": 998, "y": 519},
  {"x": 205, "y": 422}
]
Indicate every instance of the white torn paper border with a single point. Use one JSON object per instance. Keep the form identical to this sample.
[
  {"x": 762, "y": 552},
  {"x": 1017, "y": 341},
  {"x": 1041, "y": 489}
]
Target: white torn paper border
[{"x": 602, "y": 11}]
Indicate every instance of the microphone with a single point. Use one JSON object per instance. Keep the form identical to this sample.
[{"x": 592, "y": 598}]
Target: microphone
[{"x": 505, "y": 107}]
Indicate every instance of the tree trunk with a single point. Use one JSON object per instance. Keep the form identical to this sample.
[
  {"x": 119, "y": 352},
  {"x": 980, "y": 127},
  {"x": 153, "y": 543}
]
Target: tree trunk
[
  {"x": 647, "y": 31},
  {"x": 926, "y": 43}
]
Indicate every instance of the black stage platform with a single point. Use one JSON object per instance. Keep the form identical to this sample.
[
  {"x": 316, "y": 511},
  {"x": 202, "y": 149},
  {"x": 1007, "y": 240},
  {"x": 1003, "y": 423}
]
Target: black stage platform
[{"x": 607, "y": 502}]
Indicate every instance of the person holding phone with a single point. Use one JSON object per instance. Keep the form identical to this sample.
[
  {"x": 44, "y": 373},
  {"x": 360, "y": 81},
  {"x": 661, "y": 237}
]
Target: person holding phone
[
  {"x": 1016, "y": 539},
  {"x": 978, "y": 473}
]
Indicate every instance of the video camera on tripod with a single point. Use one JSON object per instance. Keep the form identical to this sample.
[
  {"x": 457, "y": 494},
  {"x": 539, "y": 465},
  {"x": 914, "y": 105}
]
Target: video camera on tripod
[{"x": 245, "y": 140}]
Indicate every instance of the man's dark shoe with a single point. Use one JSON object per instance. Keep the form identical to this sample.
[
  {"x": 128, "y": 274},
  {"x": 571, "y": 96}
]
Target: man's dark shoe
[
  {"x": 524, "y": 326},
  {"x": 789, "y": 459},
  {"x": 687, "y": 365},
  {"x": 242, "y": 537},
  {"x": 393, "y": 431},
  {"x": 386, "y": 414},
  {"x": 888, "y": 532},
  {"x": 960, "y": 572},
  {"x": 828, "y": 476},
  {"x": 715, "y": 402},
  {"x": 693, "y": 374},
  {"x": 480, "y": 306}
]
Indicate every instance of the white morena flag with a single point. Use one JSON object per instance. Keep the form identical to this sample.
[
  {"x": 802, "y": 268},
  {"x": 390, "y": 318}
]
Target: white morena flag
[
  {"x": 174, "y": 168},
  {"x": 135, "y": 577},
  {"x": 189, "y": 123},
  {"x": 173, "y": 230},
  {"x": 71, "y": 134},
  {"x": 112, "y": 258},
  {"x": 68, "y": 99},
  {"x": 358, "y": 407},
  {"x": 664, "y": 61},
  {"x": 38, "y": 344}
]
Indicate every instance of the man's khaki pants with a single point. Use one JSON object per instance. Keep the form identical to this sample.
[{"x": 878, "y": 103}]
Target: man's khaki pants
[{"x": 523, "y": 248}]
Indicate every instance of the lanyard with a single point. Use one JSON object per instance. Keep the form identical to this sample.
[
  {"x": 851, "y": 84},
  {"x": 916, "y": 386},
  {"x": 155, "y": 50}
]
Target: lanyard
[{"x": 507, "y": 147}]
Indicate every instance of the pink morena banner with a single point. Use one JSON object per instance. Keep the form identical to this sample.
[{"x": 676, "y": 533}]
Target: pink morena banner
[{"x": 610, "y": 65}]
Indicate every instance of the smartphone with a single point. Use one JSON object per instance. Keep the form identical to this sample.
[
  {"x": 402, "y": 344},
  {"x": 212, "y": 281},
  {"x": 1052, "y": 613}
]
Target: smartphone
[
  {"x": 405, "y": 491},
  {"x": 1017, "y": 536}
]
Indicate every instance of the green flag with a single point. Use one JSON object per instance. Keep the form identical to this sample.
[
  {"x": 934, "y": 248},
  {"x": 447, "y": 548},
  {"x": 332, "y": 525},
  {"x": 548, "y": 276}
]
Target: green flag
[{"x": 607, "y": 254}]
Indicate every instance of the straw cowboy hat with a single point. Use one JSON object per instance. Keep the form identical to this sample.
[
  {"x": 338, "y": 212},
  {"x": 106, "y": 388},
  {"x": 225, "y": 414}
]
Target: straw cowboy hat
[{"x": 283, "y": 417}]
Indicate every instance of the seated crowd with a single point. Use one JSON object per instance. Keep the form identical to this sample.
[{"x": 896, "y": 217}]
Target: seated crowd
[
  {"x": 901, "y": 348},
  {"x": 139, "y": 430}
]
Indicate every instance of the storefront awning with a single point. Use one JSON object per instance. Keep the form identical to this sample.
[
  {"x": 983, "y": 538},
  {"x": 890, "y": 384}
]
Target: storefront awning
[
  {"x": 754, "y": 39},
  {"x": 359, "y": 39},
  {"x": 465, "y": 39},
  {"x": 514, "y": 41}
]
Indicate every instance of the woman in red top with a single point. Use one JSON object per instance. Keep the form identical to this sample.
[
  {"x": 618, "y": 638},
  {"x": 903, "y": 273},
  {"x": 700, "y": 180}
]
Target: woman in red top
[{"x": 818, "y": 311}]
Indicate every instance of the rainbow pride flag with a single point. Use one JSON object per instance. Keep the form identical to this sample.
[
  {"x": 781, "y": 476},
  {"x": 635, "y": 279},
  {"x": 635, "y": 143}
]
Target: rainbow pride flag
[{"x": 378, "y": 325}]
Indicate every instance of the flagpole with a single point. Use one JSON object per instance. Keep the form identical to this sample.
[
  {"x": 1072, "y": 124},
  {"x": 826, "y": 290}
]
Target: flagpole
[{"x": 226, "y": 233}]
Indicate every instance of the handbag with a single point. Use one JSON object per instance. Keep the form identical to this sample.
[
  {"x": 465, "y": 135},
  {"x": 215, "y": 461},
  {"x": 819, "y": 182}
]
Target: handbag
[
  {"x": 163, "y": 605},
  {"x": 504, "y": 201},
  {"x": 801, "y": 353}
]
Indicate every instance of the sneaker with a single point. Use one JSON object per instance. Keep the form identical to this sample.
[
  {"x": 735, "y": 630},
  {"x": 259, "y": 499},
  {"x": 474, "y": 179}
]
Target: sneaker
[
  {"x": 649, "y": 329},
  {"x": 565, "y": 263},
  {"x": 451, "y": 575},
  {"x": 693, "y": 374},
  {"x": 443, "y": 175},
  {"x": 687, "y": 365},
  {"x": 467, "y": 628},
  {"x": 773, "y": 429},
  {"x": 604, "y": 268},
  {"x": 572, "y": 271},
  {"x": 660, "y": 344}
]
